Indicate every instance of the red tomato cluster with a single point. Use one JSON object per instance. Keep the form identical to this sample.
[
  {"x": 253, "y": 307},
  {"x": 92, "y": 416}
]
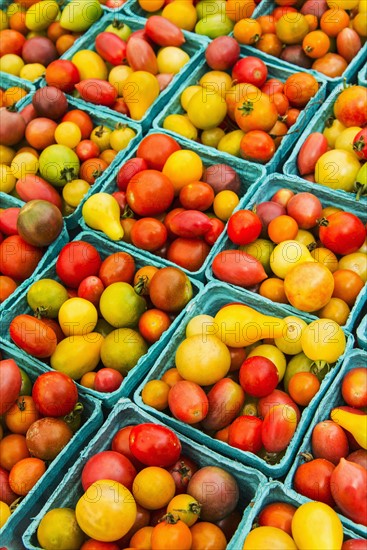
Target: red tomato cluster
[
  {"x": 335, "y": 471},
  {"x": 173, "y": 507},
  {"x": 99, "y": 298},
  {"x": 323, "y": 36},
  {"x": 38, "y": 421},
  {"x": 294, "y": 251},
  {"x": 167, "y": 199}
]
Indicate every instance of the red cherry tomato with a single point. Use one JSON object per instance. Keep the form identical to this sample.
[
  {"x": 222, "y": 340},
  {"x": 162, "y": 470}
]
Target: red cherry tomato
[
  {"x": 108, "y": 465},
  {"x": 76, "y": 261},
  {"x": 156, "y": 148},
  {"x": 148, "y": 234},
  {"x": 128, "y": 170},
  {"x": 10, "y": 384},
  {"x": 258, "y": 376},
  {"x": 149, "y": 193},
  {"x": 343, "y": 233},
  {"x": 54, "y": 394},
  {"x": 245, "y": 434},
  {"x": 244, "y": 227},
  {"x": 111, "y": 48},
  {"x": 108, "y": 380},
  {"x": 250, "y": 70},
  {"x": 155, "y": 445}
]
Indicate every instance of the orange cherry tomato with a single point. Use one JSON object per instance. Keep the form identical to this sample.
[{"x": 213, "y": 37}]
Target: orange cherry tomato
[
  {"x": 347, "y": 285},
  {"x": 316, "y": 44},
  {"x": 273, "y": 289},
  {"x": 282, "y": 228},
  {"x": 152, "y": 324},
  {"x": 302, "y": 387},
  {"x": 279, "y": 515},
  {"x": 21, "y": 415},
  {"x": 155, "y": 394},
  {"x": 333, "y": 21},
  {"x": 269, "y": 43},
  {"x": 13, "y": 447},
  {"x": 267, "y": 23},
  {"x": 171, "y": 377},
  {"x": 25, "y": 474}
]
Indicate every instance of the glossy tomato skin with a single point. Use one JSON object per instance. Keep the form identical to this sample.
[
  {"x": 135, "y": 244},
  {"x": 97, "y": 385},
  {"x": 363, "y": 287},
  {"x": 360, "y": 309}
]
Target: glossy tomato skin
[
  {"x": 63, "y": 74},
  {"x": 279, "y": 515},
  {"x": 258, "y": 376},
  {"x": 250, "y": 70},
  {"x": 148, "y": 234},
  {"x": 154, "y": 445},
  {"x": 163, "y": 32},
  {"x": 120, "y": 444},
  {"x": 351, "y": 107},
  {"x": 355, "y": 544},
  {"x": 217, "y": 227},
  {"x": 8, "y": 221},
  {"x": 116, "y": 268},
  {"x": 312, "y": 149},
  {"x": 343, "y": 234},
  {"x": 278, "y": 428},
  {"x": 149, "y": 193},
  {"x": 354, "y": 387},
  {"x": 10, "y": 384},
  {"x": 7, "y": 495},
  {"x": 156, "y": 148},
  {"x": 76, "y": 261},
  {"x": 238, "y": 268},
  {"x": 329, "y": 441},
  {"x": 129, "y": 169},
  {"x": 188, "y": 402},
  {"x": 349, "y": 490},
  {"x": 305, "y": 208},
  {"x": 190, "y": 224},
  {"x": 54, "y": 394},
  {"x": 244, "y": 227},
  {"x": 33, "y": 336},
  {"x": 312, "y": 479},
  {"x": 275, "y": 398},
  {"x": 360, "y": 144},
  {"x": 111, "y": 48},
  {"x": 188, "y": 253},
  {"x": 18, "y": 259},
  {"x": 108, "y": 380},
  {"x": 108, "y": 465},
  {"x": 245, "y": 434},
  {"x": 226, "y": 399},
  {"x": 98, "y": 92}
]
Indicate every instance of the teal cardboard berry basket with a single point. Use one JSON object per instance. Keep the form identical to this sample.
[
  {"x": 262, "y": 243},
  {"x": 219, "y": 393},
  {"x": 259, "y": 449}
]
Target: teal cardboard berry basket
[
  {"x": 288, "y": 141},
  {"x": 215, "y": 296},
  {"x": 362, "y": 333},
  {"x": 9, "y": 80},
  {"x": 251, "y": 176},
  {"x": 265, "y": 192},
  {"x": 193, "y": 47},
  {"x": 362, "y": 77},
  {"x": 349, "y": 75},
  {"x": 145, "y": 362},
  {"x": 31, "y": 504},
  {"x": 274, "y": 491},
  {"x": 7, "y": 201},
  {"x": 126, "y": 413},
  {"x": 317, "y": 124},
  {"x": 333, "y": 398},
  {"x": 99, "y": 118}
]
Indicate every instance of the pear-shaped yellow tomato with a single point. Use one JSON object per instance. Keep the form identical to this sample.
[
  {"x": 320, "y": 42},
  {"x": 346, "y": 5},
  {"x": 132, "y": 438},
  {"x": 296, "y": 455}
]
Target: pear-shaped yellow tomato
[
  {"x": 102, "y": 212},
  {"x": 90, "y": 65},
  {"x": 323, "y": 340},
  {"x": 240, "y": 325},
  {"x": 315, "y": 526},
  {"x": 76, "y": 355},
  {"x": 207, "y": 109},
  {"x": 139, "y": 91},
  {"x": 231, "y": 143},
  {"x": 203, "y": 359},
  {"x": 181, "y": 125},
  {"x": 106, "y": 511},
  {"x": 200, "y": 324},
  {"x": 263, "y": 538}
]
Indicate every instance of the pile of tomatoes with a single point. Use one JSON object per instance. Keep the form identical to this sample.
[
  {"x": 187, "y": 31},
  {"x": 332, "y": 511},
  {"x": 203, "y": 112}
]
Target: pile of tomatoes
[
  {"x": 51, "y": 152},
  {"x": 335, "y": 469},
  {"x": 151, "y": 496},
  {"x": 126, "y": 70},
  {"x": 294, "y": 251},
  {"x": 246, "y": 391},
  {"x": 101, "y": 315},
  {"x": 38, "y": 421},
  {"x": 284, "y": 525},
  {"x": 171, "y": 204},
  {"x": 336, "y": 158},
  {"x": 211, "y": 18},
  {"x": 324, "y": 36},
  {"x": 244, "y": 113},
  {"x": 35, "y": 33}
]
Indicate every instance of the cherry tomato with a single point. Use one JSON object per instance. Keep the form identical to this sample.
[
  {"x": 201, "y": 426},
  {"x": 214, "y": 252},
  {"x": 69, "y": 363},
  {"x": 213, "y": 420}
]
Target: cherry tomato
[
  {"x": 76, "y": 261},
  {"x": 244, "y": 227},
  {"x": 257, "y": 146},
  {"x": 279, "y": 515},
  {"x": 354, "y": 387},
  {"x": 343, "y": 233},
  {"x": 149, "y": 192},
  {"x": 188, "y": 253},
  {"x": 148, "y": 234},
  {"x": 329, "y": 442},
  {"x": 250, "y": 70},
  {"x": 10, "y": 383},
  {"x": 156, "y": 148},
  {"x": 258, "y": 376},
  {"x": 245, "y": 434},
  {"x": 154, "y": 445},
  {"x": 18, "y": 258}
]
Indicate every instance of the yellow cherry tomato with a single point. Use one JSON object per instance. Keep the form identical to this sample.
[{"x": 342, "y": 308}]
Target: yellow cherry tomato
[
  {"x": 200, "y": 324},
  {"x": 187, "y": 94},
  {"x": 231, "y": 143},
  {"x": 345, "y": 139},
  {"x": 342, "y": 4},
  {"x": 32, "y": 71},
  {"x": 7, "y": 179},
  {"x": 151, "y": 5},
  {"x": 121, "y": 137},
  {"x": 316, "y": 526},
  {"x": 153, "y": 488},
  {"x": 183, "y": 167},
  {"x": 207, "y": 109},
  {"x": 337, "y": 169},
  {"x": 118, "y": 76},
  {"x": 290, "y": 341},
  {"x": 101, "y": 136},
  {"x": 182, "y": 125},
  {"x": 182, "y": 13},
  {"x": 74, "y": 191},
  {"x": 4, "y": 513},
  {"x": 77, "y": 316},
  {"x": 60, "y": 524},
  {"x": 224, "y": 204},
  {"x": 266, "y": 537},
  {"x": 6, "y": 155},
  {"x": 14, "y": 94},
  {"x": 332, "y": 131},
  {"x": 216, "y": 81},
  {"x": 356, "y": 262},
  {"x": 323, "y": 340},
  {"x": 184, "y": 507},
  {"x": 212, "y": 137},
  {"x": 171, "y": 59},
  {"x": 90, "y": 65},
  {"x": 68, "y": 133},
  {"x": 11, "y": 63},
  {"x": 23, "y": 164}
]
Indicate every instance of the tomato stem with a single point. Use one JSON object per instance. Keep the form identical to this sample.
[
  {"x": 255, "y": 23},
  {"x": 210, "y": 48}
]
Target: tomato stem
[
  {"x": 15, "y": 504},
  {"x": 41, "y": 312},
  {"x": 170, "y": 518},
  {"x": 329, "y": 122},
  {"x": 67, "y": 174},
  {"x": 307, "y": 457},
  {"x": 118, "y": 24},
  {"x": 322, "y": 222},
  {"x": 320, "y": 368},
  {"x": 141, "y": 285},
  {"x": 360, "y": 189},
  {"x": 312, "y": 246},
  {"x": 128, "y": 213},
  {"x": 247, "y": 108}
]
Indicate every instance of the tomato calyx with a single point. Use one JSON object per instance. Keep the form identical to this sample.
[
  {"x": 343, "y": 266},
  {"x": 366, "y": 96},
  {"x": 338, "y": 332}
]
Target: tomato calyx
[
  {"x": 312, "y": 246},
  {"x": 41, "y": 312},
  {"x": 100, "y": 131},
  {"x": 120, "y": 126},
  {"x": 68, "y": 174},
  {"x": 320, "y": 368},
  {"x": 329, "y": 122},
  {"x": 360, "y": 189},
  {"x": 169, "y": 518},
  {"x": 272, "y": 458},
  {"x": 97, "y": 173},
  {"x": 142, "y": 285},
  {"x": 247, "y": 108},
  {"x": 118, "y": 24},
  {"x": 21, "y": 404},
  {"x": 73, "y": 418},
  {"x": 183, "y": 470},
  {"x": 359, "y": 144},
  {"x": 306, "y": 457},
  {"x": 12, "y": 108},
  {"x": 322, "y": 222},
  {"x": 127, "y": 213}
]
